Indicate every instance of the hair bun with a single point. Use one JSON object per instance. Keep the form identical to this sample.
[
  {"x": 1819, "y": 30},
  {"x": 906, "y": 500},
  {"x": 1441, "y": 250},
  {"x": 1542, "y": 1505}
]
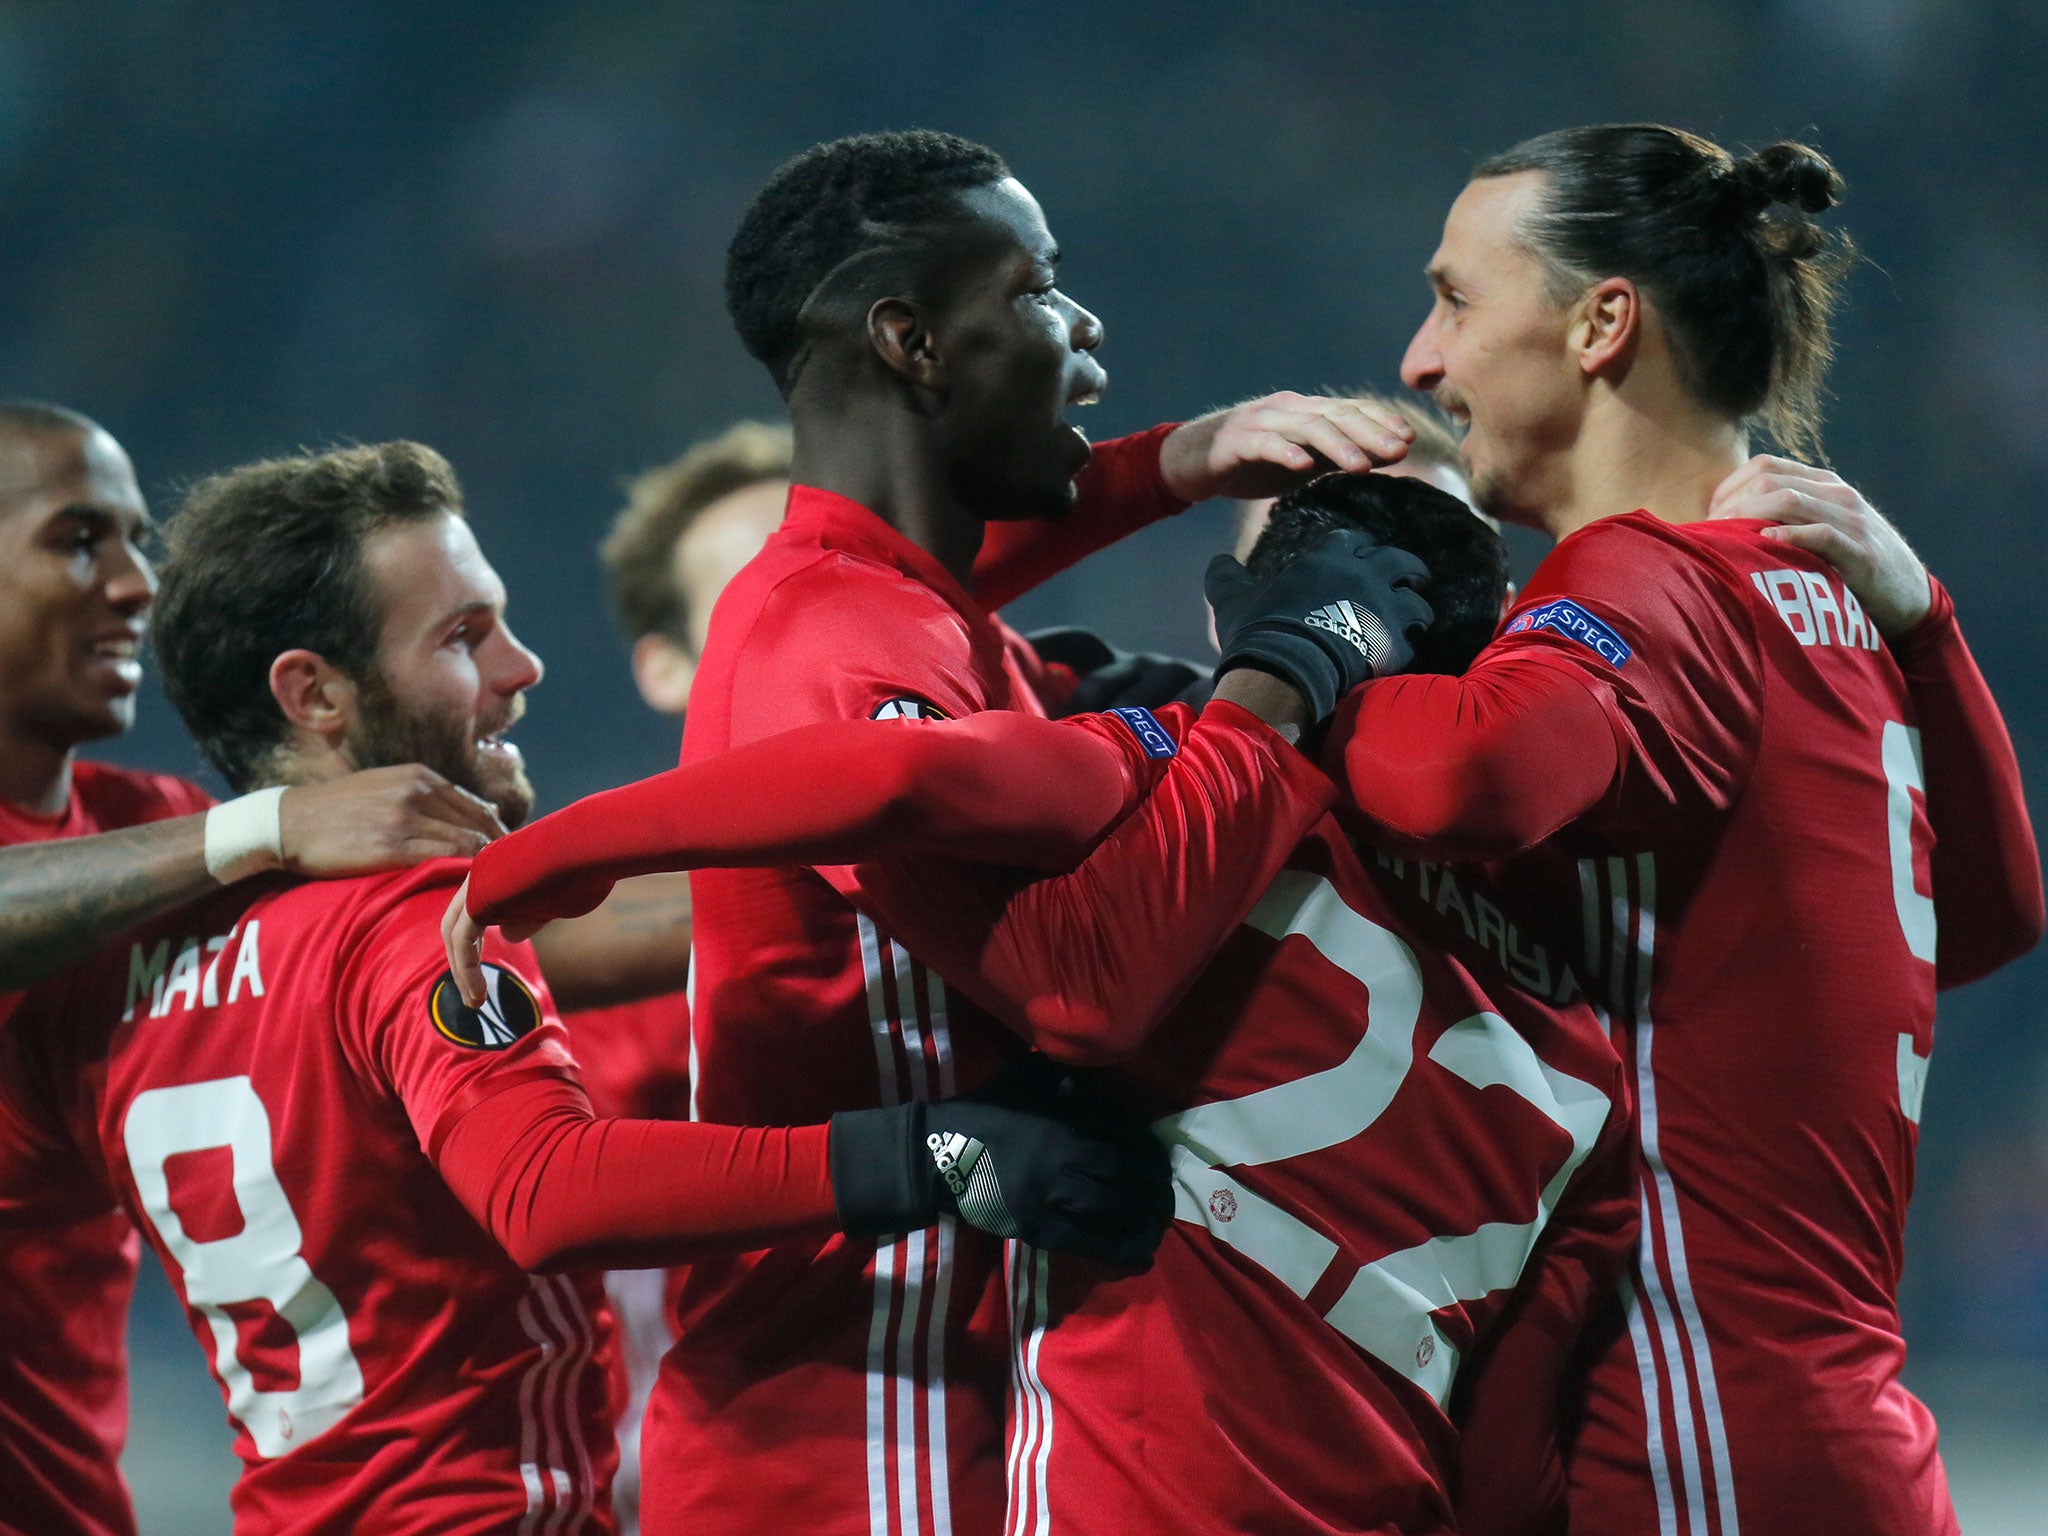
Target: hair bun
[{"x": 1786, "y": 172}]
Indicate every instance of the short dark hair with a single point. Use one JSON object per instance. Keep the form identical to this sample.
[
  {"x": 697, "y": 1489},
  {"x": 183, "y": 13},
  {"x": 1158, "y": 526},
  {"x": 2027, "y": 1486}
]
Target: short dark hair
[
  {"x": 639, "y": 552},
  {"x": 268, "y": 558},
  {"x": 835, "y": 221},
  {"x": 1743, "y": 277},
  {"x": 1468, "y": 564}
]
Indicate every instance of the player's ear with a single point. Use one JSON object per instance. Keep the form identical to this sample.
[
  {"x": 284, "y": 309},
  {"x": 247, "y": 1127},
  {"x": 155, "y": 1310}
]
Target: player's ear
[
  {"x": 663, "y": 671},
  {"x": 314, "y": 695},
  {"x": 900, "y": 332},
  {"x": 1607, "y": 327}
]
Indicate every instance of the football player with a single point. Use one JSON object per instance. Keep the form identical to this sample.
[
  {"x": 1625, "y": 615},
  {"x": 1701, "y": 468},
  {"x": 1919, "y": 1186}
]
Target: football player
[
  {"x": 1716, "y": 768},
  {"x": 90, "y": 849},
  {"x": 1395, "y": 1119},
  {"x": 902, "y": 289},
  {"x": 347, "y": 1172}
]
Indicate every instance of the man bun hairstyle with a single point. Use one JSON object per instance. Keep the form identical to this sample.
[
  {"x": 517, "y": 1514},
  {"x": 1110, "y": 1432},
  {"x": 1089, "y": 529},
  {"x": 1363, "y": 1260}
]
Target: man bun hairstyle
[
  {"x": 268, "y": 558},
  {"x": 1468, "y": 564},
  {"x": 1727, "y": 249},
  {"x": 834, "y": 223}
]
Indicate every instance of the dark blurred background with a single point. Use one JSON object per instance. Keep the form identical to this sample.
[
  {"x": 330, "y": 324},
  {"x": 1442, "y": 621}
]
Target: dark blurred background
[{"x": 233, "y": 230}]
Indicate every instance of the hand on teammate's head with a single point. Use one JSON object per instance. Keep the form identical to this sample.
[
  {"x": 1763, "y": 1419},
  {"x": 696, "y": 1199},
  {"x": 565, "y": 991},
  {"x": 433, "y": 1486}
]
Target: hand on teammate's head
[{"x": 1270, "y": 445}]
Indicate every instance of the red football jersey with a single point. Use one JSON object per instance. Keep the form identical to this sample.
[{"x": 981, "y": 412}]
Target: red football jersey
[
  {"x": 259, "y": 1080},
  {"x": 847, "y": 1388},
  {"x": 1750, "y": 904},
  {"x": 1373, "y": 1114},
  {"x": 64, "y": 1285}
]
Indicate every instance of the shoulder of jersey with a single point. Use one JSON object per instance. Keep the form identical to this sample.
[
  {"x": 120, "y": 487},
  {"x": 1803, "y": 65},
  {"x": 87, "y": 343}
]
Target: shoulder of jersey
[
  {"x": 824, "y": 590},
  {"x": 1614, "y": 549},
  {"x": 128, "y": 797}
]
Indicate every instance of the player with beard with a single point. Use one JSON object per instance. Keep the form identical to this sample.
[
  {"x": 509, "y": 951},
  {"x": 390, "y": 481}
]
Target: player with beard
[
  {"x": 901, "y": 288},
  {"x": 90, "y": 850},
  {"x": 1378, "y": 1093},
  {"x": 1699, "y": 750},
  {"x": 345, "y": 1171}
]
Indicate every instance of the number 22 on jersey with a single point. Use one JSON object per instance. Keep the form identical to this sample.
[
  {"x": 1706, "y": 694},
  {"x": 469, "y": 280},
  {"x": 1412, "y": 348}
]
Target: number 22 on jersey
[{"x": 1386, "y": 1308}]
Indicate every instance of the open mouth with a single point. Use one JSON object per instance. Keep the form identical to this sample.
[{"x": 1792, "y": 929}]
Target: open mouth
[
  {"x": 497, "y": 745},
  {"x": 121, "y": 654},
  {"x": 1086, "y": 393}
]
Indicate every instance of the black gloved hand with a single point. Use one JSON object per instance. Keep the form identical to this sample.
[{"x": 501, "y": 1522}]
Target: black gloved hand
[
  {"x": 1332, "y": 617},
  {"x": 1110, "y": 678},
  {"x": 1033, "y": 1155}
]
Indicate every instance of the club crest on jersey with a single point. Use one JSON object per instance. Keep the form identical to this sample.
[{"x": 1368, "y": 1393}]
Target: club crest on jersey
[
  {"x": 907, "y": 709},
  {"x": 510, "y": 1010},
  {"x": 1567, "y": 618}
]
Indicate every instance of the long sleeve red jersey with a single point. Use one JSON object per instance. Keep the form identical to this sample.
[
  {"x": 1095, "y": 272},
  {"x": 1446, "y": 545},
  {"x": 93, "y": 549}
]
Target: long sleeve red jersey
[
  {"x": 346, "y": 1174},
  {"x": 843, "y": 1387},
  {"x": 1371, "y": 1114},
  {"x": 65, "y": 1284},
  {"x": 1690, "y": 746}
]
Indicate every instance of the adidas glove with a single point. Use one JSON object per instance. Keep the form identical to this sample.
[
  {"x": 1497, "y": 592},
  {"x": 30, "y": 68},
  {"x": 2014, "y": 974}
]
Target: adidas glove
[
  {"x": 1033, "y": 1156},
  {"x": 1331, "y": 618},
  {"x": 1109, "y": 678}
]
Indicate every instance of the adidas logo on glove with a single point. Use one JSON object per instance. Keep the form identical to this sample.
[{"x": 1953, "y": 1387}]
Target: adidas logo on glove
[
  {"x": 954, "y": 1156},
  {"x": 1348, "y": 622}
]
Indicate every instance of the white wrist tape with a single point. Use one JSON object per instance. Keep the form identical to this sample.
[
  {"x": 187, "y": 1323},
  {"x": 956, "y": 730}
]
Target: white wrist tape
[{"x": 245, "y": 836}]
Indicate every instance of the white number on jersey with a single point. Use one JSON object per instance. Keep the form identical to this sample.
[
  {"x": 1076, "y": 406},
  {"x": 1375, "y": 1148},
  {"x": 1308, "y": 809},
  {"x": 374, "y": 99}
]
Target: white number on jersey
[
  {"x": 259, "y": 1263},
  {"x": 1902, "y": 775},
  {"x": 1386, "y": 1310}
]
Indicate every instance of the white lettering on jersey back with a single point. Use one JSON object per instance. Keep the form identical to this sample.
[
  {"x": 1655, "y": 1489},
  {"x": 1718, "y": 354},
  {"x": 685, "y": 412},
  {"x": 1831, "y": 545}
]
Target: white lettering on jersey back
[
  {"x": 1816, "y": 610},
  {"x": 1524, "y": 958},
  {"x": 192, "y": 979},
  {"x": 1386, "y": 1307}
]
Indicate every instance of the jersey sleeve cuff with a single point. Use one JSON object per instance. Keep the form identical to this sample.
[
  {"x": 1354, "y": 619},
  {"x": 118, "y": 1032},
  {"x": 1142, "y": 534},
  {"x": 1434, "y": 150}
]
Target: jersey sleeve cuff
[
  {"x": 1932, "y": 632},
  {"x": 1301, "y": 776}
]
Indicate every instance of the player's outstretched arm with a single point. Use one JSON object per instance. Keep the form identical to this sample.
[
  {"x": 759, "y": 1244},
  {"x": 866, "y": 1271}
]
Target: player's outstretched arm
[
  {"x": 60, "y": 901},
  {"x": 1258, "y": 448},
  {"x": 1031, "y": 1156},
  {"x": 1986, "y": 870},
  {"x": 1085, "y": 965},
  {"x": 1003, "y": 787},
  {"x": 1626, "y": 681}
]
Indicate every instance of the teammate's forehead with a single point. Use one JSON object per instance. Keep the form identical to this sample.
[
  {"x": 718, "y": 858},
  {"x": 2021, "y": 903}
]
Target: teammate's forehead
[
  {"x": 1008, "y": 209},
  {"x": 48, "y": 469},
  {"x": 428, "y": 569},
  {"x": 1484, "y": 224}
]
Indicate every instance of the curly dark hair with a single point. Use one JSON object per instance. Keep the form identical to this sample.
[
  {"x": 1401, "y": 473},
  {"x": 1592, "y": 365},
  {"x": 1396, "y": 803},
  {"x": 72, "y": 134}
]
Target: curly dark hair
[
  {"x": 1728, "y": 249},
  {"x": 834, "y": 223},
  {"x": 1468, "y": 564},
  {"x": 268, "y": 558}
]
